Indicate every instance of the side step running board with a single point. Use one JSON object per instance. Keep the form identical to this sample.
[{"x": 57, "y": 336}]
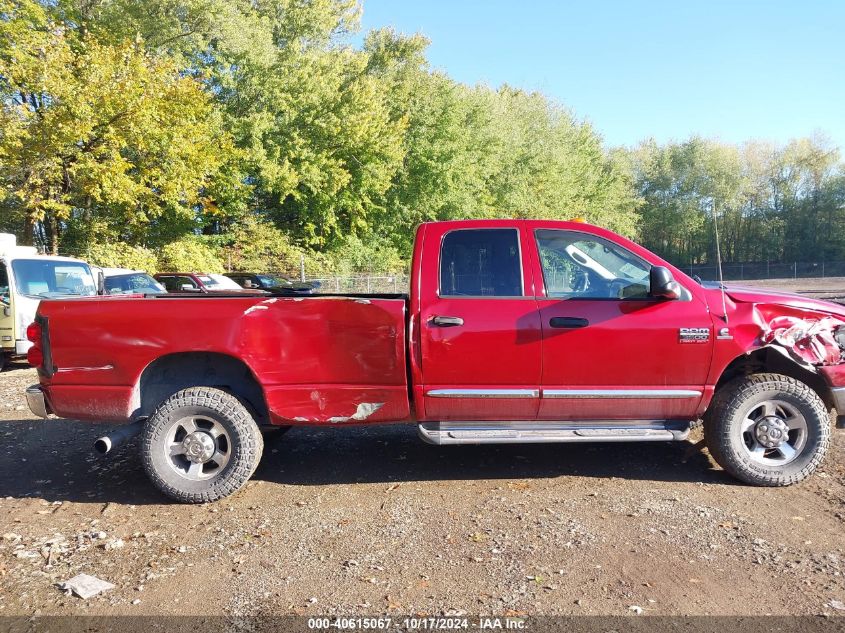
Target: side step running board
[{"x": 538, "y": 432}]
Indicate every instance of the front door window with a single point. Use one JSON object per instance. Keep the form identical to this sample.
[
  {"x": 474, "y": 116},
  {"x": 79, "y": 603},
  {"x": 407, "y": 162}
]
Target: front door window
[{"x": 582, "y": 266}]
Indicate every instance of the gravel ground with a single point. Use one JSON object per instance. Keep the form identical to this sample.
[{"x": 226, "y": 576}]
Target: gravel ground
[
  {"x": 371, "y": 520},
  {"x": 356, "y": 520}
]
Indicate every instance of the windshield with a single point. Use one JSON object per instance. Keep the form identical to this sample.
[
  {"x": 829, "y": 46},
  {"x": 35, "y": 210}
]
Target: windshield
[
  {"x": 50, "y": 278},
  {"x": 273, "y": 280},
  {"x": 218, "y": 282},
  {"x": 134, "y": 283}
]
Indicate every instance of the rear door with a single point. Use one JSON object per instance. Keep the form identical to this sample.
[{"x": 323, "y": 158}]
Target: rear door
[
  {"x": 611, "y": 351},
  {"x": 479, "y": 325}
]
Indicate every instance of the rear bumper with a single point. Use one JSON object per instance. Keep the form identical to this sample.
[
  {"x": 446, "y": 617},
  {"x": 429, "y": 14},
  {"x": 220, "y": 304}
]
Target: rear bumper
[
  {"x": 36, "y": 401},
  {"x": 94, "y": 403}
]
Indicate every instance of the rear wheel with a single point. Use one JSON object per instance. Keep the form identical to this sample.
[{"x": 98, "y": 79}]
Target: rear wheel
[
  {"x": 767, "y": 429},
  {"x": 200, "y": 445}
]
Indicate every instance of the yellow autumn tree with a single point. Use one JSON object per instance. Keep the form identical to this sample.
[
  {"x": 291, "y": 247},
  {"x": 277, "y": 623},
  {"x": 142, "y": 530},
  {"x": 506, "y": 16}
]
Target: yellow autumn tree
[{"x": 86, "y": 125}]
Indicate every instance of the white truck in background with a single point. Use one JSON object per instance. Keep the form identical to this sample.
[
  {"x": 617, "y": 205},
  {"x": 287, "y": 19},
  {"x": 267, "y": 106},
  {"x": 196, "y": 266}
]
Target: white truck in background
[{"x": 27, "y": 277}]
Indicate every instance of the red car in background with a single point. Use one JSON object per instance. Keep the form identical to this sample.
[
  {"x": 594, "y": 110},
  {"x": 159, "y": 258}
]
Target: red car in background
[{"x": 202, "y": 282}]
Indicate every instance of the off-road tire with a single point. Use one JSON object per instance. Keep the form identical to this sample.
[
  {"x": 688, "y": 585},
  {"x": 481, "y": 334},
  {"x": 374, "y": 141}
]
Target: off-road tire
[
  {"x": 243, "y": 433},
  {"x": 723, "y": 437}
]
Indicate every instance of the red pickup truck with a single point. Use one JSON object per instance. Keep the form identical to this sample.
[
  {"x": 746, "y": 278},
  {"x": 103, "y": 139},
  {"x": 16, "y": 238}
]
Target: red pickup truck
[{"x": 514, "y": 331}]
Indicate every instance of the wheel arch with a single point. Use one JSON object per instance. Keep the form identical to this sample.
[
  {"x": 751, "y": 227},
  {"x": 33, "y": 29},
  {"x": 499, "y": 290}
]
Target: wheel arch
[
  {"x": 169, "y": 374},
  {"x": 770, "y": 360}
]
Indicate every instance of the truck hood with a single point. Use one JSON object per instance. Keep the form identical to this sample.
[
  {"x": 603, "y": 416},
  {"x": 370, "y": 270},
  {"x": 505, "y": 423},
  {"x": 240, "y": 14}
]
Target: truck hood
[{"x": 745, "y": 294}]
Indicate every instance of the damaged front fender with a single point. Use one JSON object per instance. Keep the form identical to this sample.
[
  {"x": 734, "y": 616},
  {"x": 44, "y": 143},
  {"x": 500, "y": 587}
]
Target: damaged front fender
[{"x": 809, "y": 341}]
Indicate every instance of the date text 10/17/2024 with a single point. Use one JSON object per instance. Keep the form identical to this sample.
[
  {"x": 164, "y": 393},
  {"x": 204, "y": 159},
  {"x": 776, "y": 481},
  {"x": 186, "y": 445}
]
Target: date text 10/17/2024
[{"x": 483, "y": 623}]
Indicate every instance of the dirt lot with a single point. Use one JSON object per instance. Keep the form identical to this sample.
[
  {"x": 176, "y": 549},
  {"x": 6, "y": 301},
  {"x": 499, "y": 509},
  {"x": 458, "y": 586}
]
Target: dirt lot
[{"x": 366, "y": 521}]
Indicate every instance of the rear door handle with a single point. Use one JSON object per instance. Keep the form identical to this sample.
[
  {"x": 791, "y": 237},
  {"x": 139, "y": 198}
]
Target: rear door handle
[
  {"x": 568, "y": 322},
  {"x": 447, "y": 321}
]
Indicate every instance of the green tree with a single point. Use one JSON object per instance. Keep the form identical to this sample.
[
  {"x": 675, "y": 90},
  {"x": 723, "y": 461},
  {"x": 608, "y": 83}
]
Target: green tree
[
  {"x": 190, "y": 254},
  {"x": 682, "y": 184},
  {"x": 447, "y": 162},
  {"x": 91, "y": 128},
  {"x": 554, "y": 166},
  {"x": 773, "y": 203},
  {"x": 122, "y": 255},
  {"x": 254, "y": 245},
  {"x": 477, "y": 152}
]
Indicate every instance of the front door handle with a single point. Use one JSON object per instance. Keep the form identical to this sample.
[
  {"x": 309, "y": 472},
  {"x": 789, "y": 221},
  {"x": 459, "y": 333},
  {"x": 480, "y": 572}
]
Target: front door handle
[
  {"x": 568, "y": 322},
  {"x": 447, "y": 321}
]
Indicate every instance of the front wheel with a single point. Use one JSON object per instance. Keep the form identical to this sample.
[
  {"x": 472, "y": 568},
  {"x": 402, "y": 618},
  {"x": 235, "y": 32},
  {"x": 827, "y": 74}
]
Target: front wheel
[
  {"x": 767, "y": 429},
  {"x": 200, "y": 445}
]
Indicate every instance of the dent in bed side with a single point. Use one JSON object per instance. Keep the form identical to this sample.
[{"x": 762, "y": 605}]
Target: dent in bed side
[{"x": 353, "y": 351}]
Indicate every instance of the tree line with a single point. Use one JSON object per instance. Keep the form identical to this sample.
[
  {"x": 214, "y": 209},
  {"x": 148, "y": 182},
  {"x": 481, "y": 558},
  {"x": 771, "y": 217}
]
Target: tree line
[
  {"x": 251, "y": 133},
  {"x": 772, "y": 204}
]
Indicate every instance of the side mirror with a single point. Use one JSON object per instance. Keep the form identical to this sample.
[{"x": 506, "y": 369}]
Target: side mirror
[
  {"x": 101, "y": 283},
  {"x": 187, "y": 288},
  {"x": 662, "y": 284}
]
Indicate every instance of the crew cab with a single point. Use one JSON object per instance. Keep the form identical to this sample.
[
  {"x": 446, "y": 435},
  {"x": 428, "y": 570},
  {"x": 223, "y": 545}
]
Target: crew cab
[{"x": 513, "y": 331}]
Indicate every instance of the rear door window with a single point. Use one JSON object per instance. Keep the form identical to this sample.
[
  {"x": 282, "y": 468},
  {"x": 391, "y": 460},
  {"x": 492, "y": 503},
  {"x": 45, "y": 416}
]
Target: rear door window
[{"x": 481, "y": 263}]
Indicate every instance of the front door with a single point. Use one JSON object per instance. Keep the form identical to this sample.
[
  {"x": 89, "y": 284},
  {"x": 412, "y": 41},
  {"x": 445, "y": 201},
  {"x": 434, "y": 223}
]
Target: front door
[
  {"x": 479, "y": 326},
  {"x": 610, "y": 351}
]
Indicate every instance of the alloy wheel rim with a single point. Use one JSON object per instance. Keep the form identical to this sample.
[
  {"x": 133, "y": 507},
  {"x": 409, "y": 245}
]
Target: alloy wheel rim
[
  {"x": 197, "y": 447},
  {"x": 773, "y": 433}
]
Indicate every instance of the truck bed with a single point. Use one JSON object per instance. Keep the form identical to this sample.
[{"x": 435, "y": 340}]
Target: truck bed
[{"x": 321, "y": 359}]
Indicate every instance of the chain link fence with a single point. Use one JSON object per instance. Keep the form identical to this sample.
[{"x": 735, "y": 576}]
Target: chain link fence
[
  {"x": 357, "y": 283},
  {"x": 387, "y": 283},
  {"x": 767, "y": 270},
  {"x": 361, "y": 284},
  {"x": 400, "y": 283},
  {"x": 381, "y": 282}
]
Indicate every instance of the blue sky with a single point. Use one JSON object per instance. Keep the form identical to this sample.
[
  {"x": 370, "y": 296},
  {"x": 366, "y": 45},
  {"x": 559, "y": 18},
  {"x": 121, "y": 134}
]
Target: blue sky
[{"x": 730, "y": 70}]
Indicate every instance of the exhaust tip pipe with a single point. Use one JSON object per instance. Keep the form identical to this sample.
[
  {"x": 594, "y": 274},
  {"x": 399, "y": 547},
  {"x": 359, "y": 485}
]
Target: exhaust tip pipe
[
  {"x": 103, "y": 445},
  {"x": 118, "y": 437}
]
